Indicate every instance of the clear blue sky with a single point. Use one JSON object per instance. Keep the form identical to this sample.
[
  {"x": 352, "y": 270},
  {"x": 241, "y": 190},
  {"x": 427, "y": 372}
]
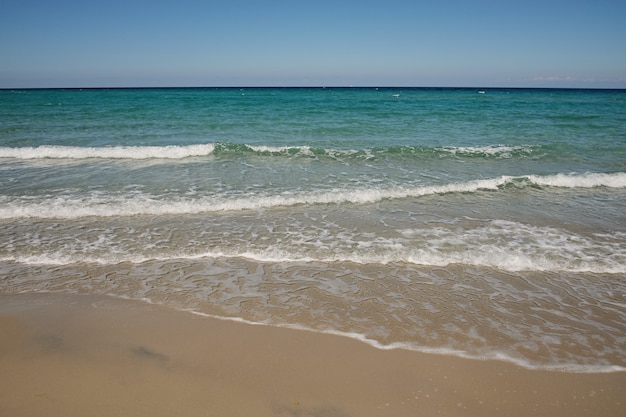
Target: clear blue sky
[{"x": 523, "y": 43}]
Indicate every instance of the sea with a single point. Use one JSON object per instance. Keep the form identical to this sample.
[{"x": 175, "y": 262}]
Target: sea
[{"x": 482, "y": 223}]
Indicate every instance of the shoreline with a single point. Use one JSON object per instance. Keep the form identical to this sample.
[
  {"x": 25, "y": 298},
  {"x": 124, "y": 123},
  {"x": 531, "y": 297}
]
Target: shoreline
[
  {"x": 66, "y": 354},
  {"x": 404, "y": 346}
]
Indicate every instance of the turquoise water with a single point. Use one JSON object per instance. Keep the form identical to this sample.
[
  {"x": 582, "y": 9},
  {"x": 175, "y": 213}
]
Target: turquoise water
[{"x": 486, "y": 224}]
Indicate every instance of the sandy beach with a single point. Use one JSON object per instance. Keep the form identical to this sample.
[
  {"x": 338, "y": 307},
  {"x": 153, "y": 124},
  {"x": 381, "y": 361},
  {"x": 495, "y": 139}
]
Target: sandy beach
[{"x": 71, "y": 355}]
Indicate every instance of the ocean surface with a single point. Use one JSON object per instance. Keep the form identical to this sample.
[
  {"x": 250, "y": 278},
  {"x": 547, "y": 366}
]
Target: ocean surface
[{"x": 488, "y": 224}]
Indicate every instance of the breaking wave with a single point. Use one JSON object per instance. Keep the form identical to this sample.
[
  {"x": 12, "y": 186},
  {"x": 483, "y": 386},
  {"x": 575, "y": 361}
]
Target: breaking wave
[{"x": 105, "y": 205}]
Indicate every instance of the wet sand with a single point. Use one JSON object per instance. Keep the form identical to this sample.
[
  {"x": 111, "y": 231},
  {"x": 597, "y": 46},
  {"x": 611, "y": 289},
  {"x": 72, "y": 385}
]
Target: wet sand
[{"x": 70, "y": 355}]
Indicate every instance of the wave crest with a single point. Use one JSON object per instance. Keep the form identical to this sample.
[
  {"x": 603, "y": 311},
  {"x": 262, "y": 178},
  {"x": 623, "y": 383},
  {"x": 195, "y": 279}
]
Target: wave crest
[
  {"x": 226, "y": 148},
  {"x": 147, "y": 204},
  {"x": 111, "y": 152}
]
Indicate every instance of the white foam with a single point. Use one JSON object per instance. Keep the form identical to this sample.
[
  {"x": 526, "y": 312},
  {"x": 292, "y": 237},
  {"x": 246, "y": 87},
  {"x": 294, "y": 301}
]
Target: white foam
[
  {"x": 180, "y": 152},
  {"x": 494, "y": 245},
  {"x": 145, "y": 204},
  {"x": 112, "y": 152},
  {"x": 280, "y": 149},
  {"x": 492, "y": 150},
  {"x": 587, "y": 180}
]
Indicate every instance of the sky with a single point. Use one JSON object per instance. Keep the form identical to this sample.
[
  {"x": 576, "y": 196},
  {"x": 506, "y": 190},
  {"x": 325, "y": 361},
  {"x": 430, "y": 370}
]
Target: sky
[{"x": 449, "y": 43}]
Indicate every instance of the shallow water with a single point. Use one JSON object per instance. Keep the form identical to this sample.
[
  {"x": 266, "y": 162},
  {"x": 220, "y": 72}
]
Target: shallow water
[{"x": 482, "y": 225}]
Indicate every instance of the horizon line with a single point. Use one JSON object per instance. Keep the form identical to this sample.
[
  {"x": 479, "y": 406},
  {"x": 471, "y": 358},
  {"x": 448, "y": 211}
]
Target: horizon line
[{"x": 376, "y": 87}]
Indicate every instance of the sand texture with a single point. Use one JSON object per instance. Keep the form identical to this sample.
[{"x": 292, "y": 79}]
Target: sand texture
[{"x": 69, "y": 355}]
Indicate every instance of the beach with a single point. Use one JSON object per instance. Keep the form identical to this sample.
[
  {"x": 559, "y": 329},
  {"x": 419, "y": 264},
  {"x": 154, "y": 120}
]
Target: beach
[
  {"x": 313, "y": 252},
  {"x": 76, "y": 355}
]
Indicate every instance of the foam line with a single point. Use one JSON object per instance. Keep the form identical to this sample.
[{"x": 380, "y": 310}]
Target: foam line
[
  {"x": 77, "y": 207},
  {"x": 113, "y": 152},
  {"x": 181, "y": 152},
  {"x": 498, "y": 356}
]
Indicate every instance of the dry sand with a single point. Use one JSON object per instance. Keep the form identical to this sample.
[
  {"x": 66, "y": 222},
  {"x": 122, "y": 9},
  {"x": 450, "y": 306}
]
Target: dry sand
[{"x": 69, "y": 355}]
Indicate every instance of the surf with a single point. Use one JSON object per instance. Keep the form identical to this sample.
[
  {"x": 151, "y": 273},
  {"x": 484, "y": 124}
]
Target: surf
[
  {"x": 171, "y": 152},
  {"x": 110, "y": 152},
  {"x": 104, "y": 205}
]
